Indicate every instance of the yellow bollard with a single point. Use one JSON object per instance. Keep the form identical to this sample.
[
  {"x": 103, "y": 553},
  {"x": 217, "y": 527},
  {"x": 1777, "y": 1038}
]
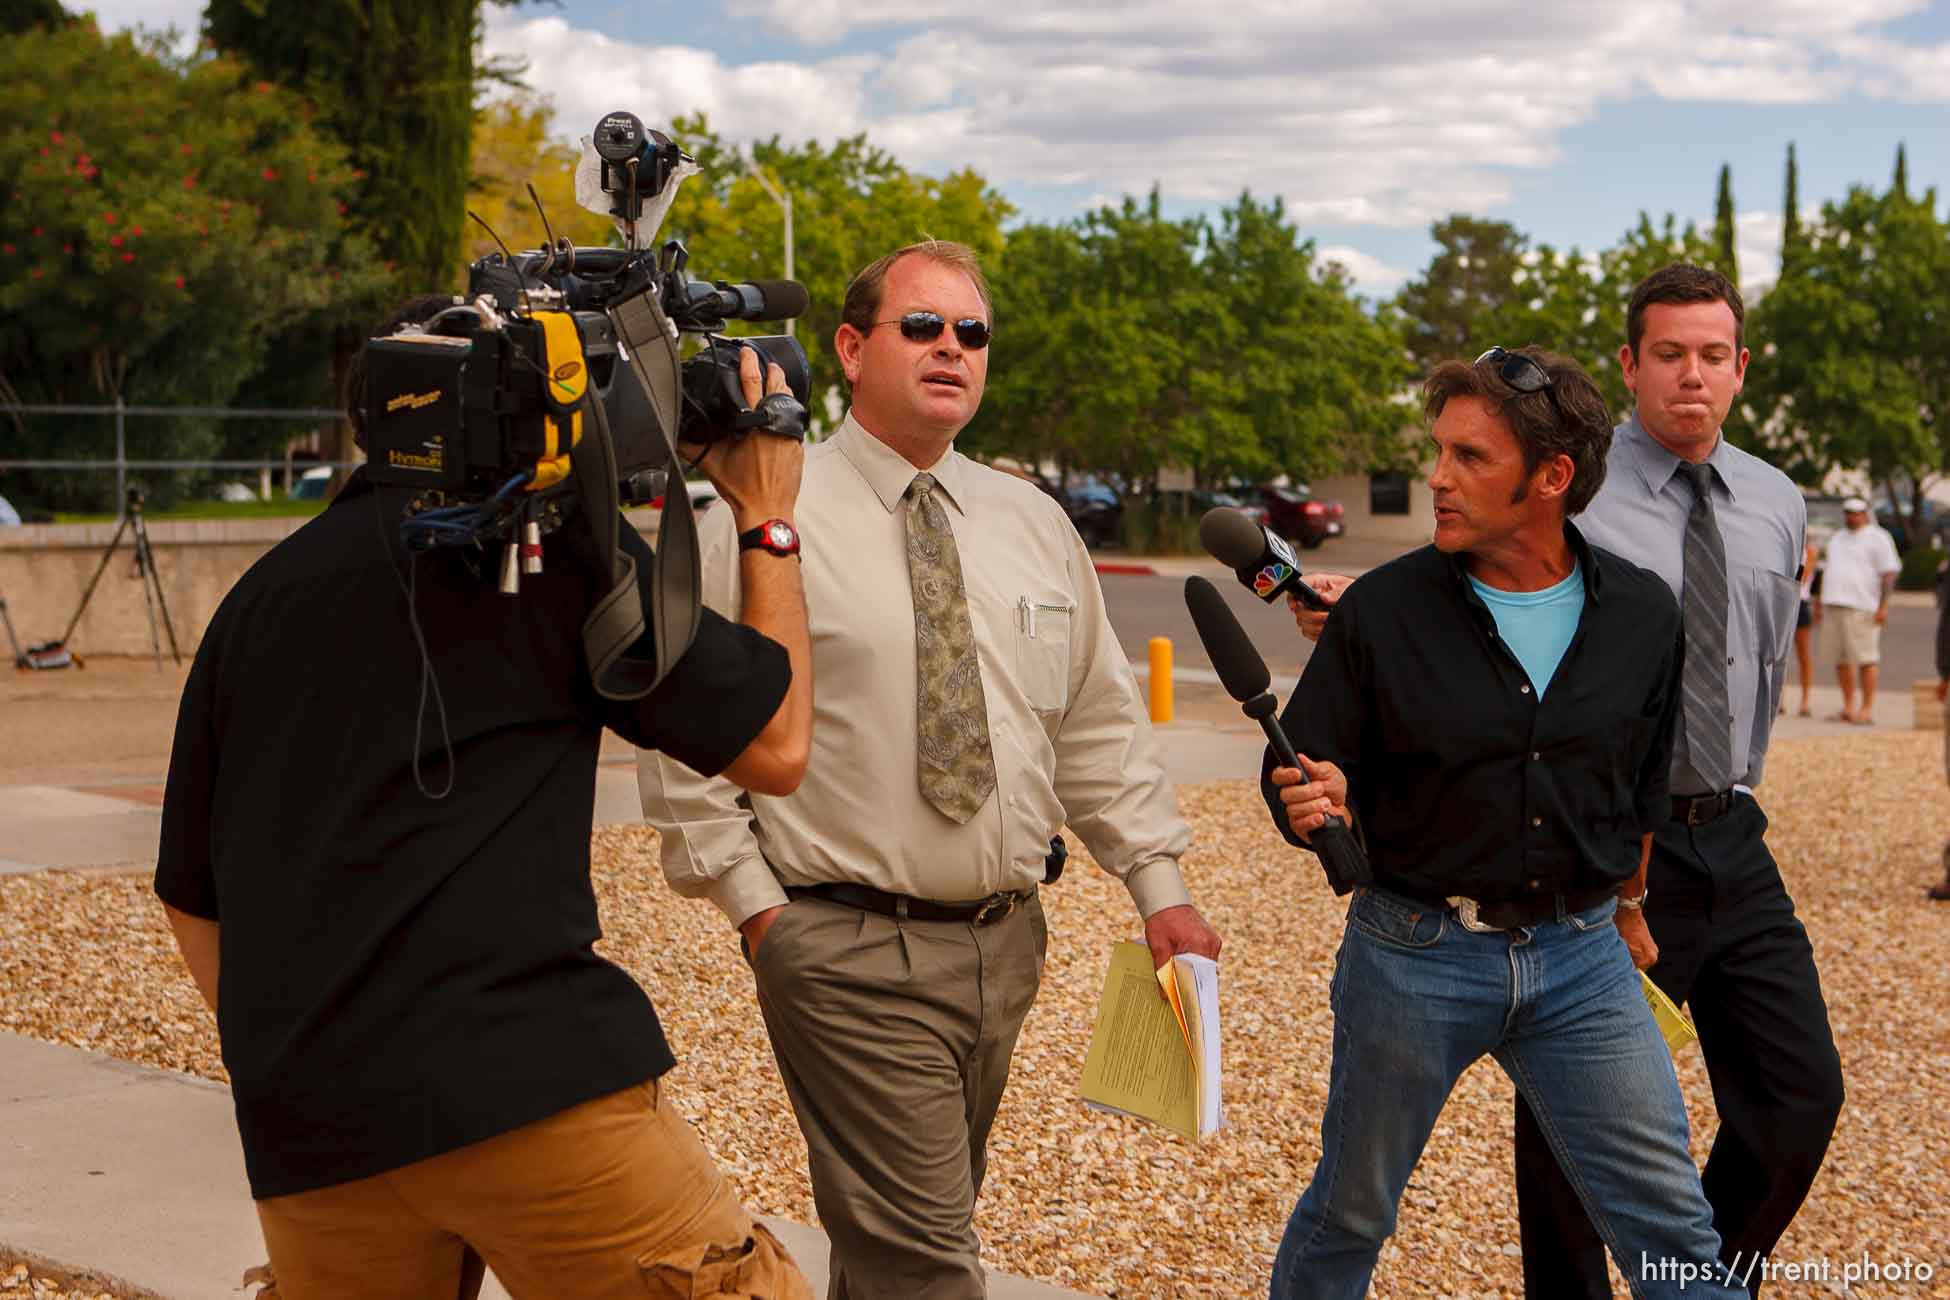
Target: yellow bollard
[{"x": 1161, "y": 679}]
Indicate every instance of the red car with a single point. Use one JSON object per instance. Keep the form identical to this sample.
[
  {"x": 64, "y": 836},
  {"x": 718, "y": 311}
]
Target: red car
[{"x": 1294, "y": 514}]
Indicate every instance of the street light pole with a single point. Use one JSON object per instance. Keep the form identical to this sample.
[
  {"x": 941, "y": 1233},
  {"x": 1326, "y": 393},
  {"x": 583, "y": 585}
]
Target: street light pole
[{"x": 782, "y": 197}]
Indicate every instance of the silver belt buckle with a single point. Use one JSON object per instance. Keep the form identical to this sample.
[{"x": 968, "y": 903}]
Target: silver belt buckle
[
  {"x": 995, "y": 909},
  {"x": 1466, "y": 914}
]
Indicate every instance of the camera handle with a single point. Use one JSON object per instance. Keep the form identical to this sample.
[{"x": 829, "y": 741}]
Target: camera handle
[{"x": 676, "y": 582}]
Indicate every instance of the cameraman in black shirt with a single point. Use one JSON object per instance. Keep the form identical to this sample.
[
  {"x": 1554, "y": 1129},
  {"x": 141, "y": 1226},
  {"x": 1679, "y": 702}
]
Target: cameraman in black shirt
[
  {"x": 1497, "y": 711},
  {"x": 378, "y": 873}
]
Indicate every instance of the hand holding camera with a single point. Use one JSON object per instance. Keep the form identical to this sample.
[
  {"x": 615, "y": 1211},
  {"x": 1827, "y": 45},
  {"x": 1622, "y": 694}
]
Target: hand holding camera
[{"x": 757, "y": 476}]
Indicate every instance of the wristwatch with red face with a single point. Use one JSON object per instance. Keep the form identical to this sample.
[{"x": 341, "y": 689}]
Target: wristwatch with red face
[{"x": 775, "y": 535}]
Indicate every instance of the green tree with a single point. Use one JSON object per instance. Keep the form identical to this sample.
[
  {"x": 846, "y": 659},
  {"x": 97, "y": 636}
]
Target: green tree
[
  {"x": 1472, "y": 275},
  {"x": 1858, "y": 371},
  {"x": 514, "y": 147},
  {"x": 1899, "y": 184},
  {"x": 1726, "y": 256},
  {"x": 162, "y": 218},
  {"x": 1130, "y": 341},
  {"x": 19, "y": 15},
  {"x": 1792, "y": 237},
  {"x": 394, "y": 81}
]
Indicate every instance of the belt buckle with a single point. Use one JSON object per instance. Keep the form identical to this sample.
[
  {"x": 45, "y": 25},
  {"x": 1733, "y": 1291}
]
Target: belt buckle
[
  {"x": 1466, "y": 914},
  {"x": 994, "y": 909}
]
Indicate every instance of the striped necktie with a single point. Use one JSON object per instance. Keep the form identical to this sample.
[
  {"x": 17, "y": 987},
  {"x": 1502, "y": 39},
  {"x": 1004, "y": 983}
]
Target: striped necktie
[{"x": 1703, "y": 610}]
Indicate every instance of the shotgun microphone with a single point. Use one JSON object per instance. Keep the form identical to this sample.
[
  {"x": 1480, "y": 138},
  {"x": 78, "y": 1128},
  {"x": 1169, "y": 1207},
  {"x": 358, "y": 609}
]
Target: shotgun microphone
[{"x": 1244, "y": 675}]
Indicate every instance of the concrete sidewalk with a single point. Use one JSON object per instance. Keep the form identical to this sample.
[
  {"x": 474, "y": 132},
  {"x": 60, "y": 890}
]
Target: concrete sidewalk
[{"x": 136, "y": 1175}]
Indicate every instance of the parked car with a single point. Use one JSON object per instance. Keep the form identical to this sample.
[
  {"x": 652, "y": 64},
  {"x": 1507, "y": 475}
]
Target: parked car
[
  {"x": 1097, "y": 511},
  {"x": 312, "y": 483},
  {"x": 1295, "y": 514},
  {"x": 1203, "y": 501},
  {"x": 1935, "y": 521}
]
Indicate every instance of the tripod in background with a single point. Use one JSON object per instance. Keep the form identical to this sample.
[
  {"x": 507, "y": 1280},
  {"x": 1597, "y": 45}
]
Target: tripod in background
[{"x": 145, "y": 569}]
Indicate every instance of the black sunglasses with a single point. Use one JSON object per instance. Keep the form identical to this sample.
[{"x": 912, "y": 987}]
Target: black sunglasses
[
  {"x": 1523, "y": 374},
  {"x": 926, "y": 327}
]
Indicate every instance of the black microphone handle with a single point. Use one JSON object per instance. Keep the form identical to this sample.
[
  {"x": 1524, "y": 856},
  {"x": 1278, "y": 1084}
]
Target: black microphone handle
[{"x": 1339, "y": 852}]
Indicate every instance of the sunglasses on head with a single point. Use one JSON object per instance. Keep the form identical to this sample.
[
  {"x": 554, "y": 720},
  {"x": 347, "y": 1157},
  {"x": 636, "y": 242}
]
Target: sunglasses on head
[
  {"x": 926, "y": 327},
  {"x": 1523, "y": 374}
]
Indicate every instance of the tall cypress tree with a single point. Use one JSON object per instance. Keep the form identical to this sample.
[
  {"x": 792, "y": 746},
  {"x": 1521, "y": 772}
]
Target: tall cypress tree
[
  {"x": 1899, "y": 185},
  {"x": 1725, "y": 258},
  {"x": 1792, "y": 238}
]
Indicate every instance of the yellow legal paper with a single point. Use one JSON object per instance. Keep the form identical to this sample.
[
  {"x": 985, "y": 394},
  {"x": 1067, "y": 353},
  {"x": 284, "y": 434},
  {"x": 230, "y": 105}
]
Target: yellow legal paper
[
  {"x": 1157, "y": 1058},
  {"x": 1671, "y": 1020}
]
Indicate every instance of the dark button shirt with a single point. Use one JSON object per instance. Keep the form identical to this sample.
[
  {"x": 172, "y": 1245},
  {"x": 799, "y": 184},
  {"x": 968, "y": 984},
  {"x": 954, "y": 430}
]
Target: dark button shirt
[
  {"x": 1461, "y": 780},
  {"x": 401, "y": 976}
]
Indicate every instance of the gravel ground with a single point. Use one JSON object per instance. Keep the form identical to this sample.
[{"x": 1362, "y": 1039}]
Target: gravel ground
[
  {"x": 19, "y": 1281},
  {"x": 1106, "y": 1205}
]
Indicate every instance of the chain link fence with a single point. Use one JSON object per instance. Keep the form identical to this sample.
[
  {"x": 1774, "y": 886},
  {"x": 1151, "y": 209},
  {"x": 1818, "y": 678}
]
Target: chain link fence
[{"x": 106, "y": 430}]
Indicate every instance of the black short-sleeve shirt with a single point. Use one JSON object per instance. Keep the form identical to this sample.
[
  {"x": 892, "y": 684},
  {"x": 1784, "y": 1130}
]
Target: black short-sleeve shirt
[{"x": 401, "y": 975}]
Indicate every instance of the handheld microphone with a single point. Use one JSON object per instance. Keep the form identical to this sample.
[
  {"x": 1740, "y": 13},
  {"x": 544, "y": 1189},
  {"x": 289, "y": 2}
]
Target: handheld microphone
[
  {"x": 1263, "y": 559},
  {"x": 1244, "y": 675}
]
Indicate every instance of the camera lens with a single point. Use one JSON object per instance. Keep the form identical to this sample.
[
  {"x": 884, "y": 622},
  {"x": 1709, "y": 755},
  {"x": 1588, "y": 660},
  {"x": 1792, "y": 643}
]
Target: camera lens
[{"x": 618, "y": 137}]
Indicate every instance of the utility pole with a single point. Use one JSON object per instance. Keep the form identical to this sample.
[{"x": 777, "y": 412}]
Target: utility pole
[{"x": 783, "y": 197}]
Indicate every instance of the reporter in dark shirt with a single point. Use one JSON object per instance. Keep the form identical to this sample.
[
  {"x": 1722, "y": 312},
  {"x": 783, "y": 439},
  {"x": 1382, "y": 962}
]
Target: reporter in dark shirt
[
  {"x": 1496, "y": 711},
  {"x": 430, "y": 1063}
]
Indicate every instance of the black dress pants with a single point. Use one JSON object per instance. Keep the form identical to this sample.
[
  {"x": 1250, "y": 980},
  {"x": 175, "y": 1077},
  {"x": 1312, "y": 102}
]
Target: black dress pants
[{"x": 1730, "y": 945}]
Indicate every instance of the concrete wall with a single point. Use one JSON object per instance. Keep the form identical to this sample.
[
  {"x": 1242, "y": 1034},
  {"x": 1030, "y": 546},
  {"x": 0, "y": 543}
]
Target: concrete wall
[
  {"x": 45, "y": 567},
  {"x": 1351, "y": 490}
]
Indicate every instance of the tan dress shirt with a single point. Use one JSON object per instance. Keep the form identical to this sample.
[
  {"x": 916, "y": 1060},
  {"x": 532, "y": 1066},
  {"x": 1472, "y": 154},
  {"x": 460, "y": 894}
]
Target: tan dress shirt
[{"x": 1071, "y": 740}]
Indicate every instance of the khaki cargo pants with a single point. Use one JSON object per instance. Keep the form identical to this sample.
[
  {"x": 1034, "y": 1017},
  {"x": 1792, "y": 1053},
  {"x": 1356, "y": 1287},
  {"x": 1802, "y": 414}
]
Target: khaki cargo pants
[{"x": 610, "y": 1199}]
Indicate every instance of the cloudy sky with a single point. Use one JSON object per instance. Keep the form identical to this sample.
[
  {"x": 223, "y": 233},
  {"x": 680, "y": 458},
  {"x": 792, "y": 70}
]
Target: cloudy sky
[{"x": 1371, "y": 120}]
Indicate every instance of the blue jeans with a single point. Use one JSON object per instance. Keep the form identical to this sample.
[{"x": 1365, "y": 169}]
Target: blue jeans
[{"x": 1417, "y": 999}]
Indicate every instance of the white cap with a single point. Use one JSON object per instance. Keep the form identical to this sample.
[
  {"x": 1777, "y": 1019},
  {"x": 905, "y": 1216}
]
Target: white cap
[{"x": 1855, "y": 505}]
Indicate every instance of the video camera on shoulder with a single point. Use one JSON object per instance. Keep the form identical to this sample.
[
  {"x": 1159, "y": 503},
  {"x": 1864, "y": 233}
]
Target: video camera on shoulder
[{"x": 489, "y": 398}]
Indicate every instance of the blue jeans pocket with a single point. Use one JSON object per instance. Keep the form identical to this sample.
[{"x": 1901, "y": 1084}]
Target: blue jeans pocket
[
  {"x": 1397, "y": 921},
  {"x": 1593, "y": 918}
]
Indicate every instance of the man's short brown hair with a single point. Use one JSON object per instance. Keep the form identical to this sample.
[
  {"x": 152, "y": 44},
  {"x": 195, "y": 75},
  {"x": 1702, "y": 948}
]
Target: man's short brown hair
[
  {"x": 862, "y": 304},
  {"x": 1582, "y": 431},
  {"x": 1683, "y": 282}
]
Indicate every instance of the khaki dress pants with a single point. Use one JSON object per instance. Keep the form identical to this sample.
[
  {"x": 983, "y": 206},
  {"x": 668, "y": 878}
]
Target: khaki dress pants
[
  {"x": 610, "y": 1199},
  {"x": 894, "y": 1040}
]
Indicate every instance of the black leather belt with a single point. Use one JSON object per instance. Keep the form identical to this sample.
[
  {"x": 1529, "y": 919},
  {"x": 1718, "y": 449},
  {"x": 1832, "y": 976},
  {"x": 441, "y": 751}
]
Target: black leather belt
[
  {"x": 1699, "y": 809},
  {"x": 1515, "y": 913},
  {"x": 979, "y": 911}
]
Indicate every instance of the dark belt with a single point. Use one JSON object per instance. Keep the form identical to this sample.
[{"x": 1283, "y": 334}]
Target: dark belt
[
  {"x": 1515, "y": 913},
  {"x": 979, "y": 911},
  {"x": 1699, "y": 809}
]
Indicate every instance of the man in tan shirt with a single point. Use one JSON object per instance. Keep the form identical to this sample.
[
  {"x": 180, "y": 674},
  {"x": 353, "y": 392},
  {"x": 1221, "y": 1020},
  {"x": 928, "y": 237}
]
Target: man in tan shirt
[{"x": 972, "y": 699}]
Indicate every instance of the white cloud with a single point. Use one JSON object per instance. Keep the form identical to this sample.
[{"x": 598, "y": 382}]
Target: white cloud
[
  {"x": 1390, "y": 115},
  {"x": 1757, "y": 243},
  {"x": 1372, "y": 276}
]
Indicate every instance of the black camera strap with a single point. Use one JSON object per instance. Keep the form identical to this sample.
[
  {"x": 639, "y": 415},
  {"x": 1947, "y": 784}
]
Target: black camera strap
[{"x": 616, "y": 622}]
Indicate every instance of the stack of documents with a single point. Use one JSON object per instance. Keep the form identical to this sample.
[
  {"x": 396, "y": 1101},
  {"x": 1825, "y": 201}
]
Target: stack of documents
[
  {"x": 1153, "y": 1057},
  {"x": 1671, "y": 1020}
]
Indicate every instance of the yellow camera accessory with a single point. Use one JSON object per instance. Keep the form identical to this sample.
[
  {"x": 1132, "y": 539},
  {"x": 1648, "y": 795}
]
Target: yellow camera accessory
[{"x": 565, "y": 388}]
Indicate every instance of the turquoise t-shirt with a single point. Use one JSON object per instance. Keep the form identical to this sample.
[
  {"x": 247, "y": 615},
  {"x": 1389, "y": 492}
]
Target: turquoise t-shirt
[{"x": 1537, "y": 625}]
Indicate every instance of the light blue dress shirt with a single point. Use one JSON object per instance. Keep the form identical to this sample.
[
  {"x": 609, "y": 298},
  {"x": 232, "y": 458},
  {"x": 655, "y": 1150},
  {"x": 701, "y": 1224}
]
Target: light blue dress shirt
[{"x": 1640, "y": 514}]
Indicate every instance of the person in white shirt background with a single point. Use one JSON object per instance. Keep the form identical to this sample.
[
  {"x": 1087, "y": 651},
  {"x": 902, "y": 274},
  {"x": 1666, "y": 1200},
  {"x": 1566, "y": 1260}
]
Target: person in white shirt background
[{"x": 1858, "y": 573}]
